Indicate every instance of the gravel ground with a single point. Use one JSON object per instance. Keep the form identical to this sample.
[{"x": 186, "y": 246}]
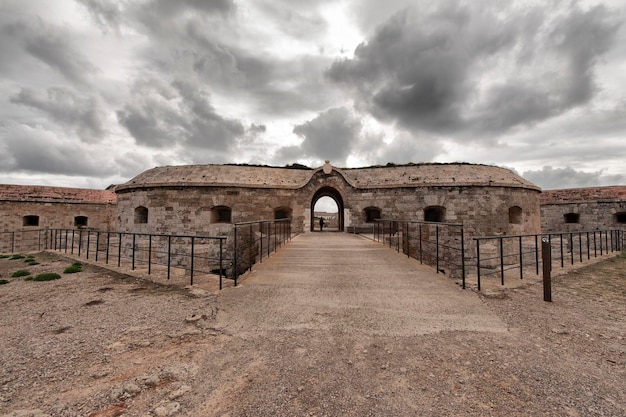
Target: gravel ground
[{"x": 99, "y": 343}]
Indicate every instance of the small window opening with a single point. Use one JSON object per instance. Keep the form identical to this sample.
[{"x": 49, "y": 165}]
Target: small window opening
[
  {"x": 572, "y": 218},
  {"x": 515, "y": 215},
  {"x": 141, "y": 215},
  {"x": 620, "y": 217},
  {"x": 221, "y": 214},
  {"x": 372, "y": 214},
  {"x": 435, "y": 214},
  {"x": 282, "y": 213},
  {"x": 30, "y": 221},
  {"x": 80, "y": 221}
]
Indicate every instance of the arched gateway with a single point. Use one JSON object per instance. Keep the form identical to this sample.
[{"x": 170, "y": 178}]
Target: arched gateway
[
  {"x": 336, "y": 196},
  {"x": 185, "y": 199}
]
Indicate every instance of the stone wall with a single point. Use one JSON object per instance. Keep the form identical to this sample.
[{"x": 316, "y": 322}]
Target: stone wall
[
  {"x": 582, "y": 209},
  {"x": 26, "y": 209},
  {"x": 484, "y": 209}
]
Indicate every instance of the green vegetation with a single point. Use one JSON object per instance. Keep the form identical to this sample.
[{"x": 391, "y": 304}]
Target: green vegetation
[
  {"x": 30, "y": 260},
  {"x": 4, "y": 256},
  {"x": 3, "y": 281},
  {"x": 76, "y": 267},
  {"x": 49, "y": 276},
  {"x": 17, "y": 256},
  {"x": 20, "y": 273}
]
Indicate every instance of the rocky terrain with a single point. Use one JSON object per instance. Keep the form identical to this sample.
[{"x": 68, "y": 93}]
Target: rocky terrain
[{"x": 99, "y": 343}]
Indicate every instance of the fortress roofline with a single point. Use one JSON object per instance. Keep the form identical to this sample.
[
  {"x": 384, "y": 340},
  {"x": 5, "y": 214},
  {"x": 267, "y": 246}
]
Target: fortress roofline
[
  {"x": 10, "y": 192},
  {"x": 294, "y": 177}
]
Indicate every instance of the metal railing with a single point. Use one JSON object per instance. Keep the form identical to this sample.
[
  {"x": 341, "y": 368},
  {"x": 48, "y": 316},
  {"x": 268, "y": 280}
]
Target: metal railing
[
  {"x": 440, "y": 245},
  {"x": 500, "y": 254},
  {"x": 255, "y": 240},
  {"x": 193, "y": 254},
  {"x": 22, "y": 241}
]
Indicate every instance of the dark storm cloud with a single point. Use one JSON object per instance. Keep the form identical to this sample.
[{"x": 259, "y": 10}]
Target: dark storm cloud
[
  {"x": 85, "y": 115},
  {"x": 550, "y": 178},
  {"x": 330, "y": 135},
  {"x": 425, "y": 67},
  {"x": 49, "y": 45},
  {"x": 33, "y": 150},
  {"x": 162, "y": 115},
  {"x": 208, "y": 46}
]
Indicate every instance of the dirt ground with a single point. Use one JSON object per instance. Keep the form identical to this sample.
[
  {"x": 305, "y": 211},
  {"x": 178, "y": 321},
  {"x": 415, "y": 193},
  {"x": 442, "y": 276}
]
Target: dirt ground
[{"x": 99, "y": 343}]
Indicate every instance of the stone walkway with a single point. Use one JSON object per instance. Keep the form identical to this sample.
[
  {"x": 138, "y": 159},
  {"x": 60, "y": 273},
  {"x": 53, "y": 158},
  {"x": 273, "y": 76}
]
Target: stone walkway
[{"x": 348, "y": 283}]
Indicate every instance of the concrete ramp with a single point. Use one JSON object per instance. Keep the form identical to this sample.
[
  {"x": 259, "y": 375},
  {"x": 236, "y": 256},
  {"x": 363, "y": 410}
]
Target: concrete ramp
[{"x": 345, "y": 282}]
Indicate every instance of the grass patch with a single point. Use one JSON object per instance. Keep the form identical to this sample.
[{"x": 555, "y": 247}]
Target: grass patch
[
  {"x": 4, "y": 256},
  {"x": 20, "y": 273},
  {"x": 3, "y": 281},
  {"x": 75, "y": 267},
  {"x": 49, "y": 276},
  {"x": 32, "y": 263},
  {"x": 17, "y": 256}
]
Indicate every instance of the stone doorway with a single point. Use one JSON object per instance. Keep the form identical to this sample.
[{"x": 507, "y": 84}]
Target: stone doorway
[{"x": 336, "y": 196}]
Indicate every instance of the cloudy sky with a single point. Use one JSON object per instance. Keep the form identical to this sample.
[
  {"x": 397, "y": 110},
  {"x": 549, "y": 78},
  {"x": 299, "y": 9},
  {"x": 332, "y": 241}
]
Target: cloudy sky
[{"x": 93, "y": 92}]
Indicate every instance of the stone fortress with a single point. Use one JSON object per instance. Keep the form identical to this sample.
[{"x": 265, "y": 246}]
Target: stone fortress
[{"x": 208, "y": 199}]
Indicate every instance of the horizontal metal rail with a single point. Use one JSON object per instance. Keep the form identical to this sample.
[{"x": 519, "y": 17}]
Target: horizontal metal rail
[
  {"x": 438, "y": 244},
  {"x": 255, "y": 240},
  {"x": 499, "y": 254},
  {"x": 196, "y": 254}
]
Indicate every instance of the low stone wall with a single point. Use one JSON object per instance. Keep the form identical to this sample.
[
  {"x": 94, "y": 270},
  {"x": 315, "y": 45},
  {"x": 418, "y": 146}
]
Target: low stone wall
[{"x": 581, "y": 209}]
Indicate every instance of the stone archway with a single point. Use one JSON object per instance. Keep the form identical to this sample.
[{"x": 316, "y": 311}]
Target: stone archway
[{"x": 336, "y": 196}]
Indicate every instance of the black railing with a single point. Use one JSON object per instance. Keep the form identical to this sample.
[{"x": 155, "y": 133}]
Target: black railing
[
  {"x": 193, "y": 254},
  {"x": 496, "y": 255},
  {"x": 440, "y": 245},
  {"x": 23, "y": 241},
  {"x": 255, "y": 240}
]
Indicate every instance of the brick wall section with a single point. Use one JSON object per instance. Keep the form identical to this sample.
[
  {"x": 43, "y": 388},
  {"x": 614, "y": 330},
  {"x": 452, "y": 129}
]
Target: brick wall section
[
  {"x": 56, "y": 207},
  {"x": 596, "y": 207}
]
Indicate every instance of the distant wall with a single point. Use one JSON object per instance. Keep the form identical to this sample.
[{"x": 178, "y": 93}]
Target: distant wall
[
  {"x": 579, "y": 209},
  {"x": 37, "y": 207}
]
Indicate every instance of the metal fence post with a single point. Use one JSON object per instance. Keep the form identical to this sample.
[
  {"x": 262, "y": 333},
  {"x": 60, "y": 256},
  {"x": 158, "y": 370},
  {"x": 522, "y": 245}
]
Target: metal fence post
[
  {"x": 149, "y": 254},
  {"x": 221, "y": 256},
  {"x": 420, "y": 241},
  {"x": 88, "y": 238},
  {"x": 235, "y": 269},
  {"x": 106, "y": 259},
  {"x": 537, "y": 254},
  {"x": 97, "y": 244},
  {"x": 546, "y": 254},
  {"x": 463, "y": 256},
  {"x": 580, "y": 246},
  {"x": 501, "y": 260},
  {"x": 437, "y": 243},
  {"x": 119, "y": 250},
  {"x": 478, "y": 262},
  {"x": 132, "y": 267},
  {"x": 192, "y": 255},
  {"x": 521, "y": 262},
  {"x": 169, "y": 255}
]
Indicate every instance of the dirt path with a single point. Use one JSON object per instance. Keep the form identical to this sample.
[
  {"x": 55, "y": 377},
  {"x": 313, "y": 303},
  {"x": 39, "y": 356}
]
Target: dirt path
[
  {"x": 98, "y": 343},
  {"x": 338, "y": 281}
]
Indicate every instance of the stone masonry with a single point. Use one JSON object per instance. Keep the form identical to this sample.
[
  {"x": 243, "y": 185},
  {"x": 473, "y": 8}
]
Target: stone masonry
[
  {"x": 190, "y": 199},
  {"x": 39, "y": 207},
  {"x": 583, "y": 209}
]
